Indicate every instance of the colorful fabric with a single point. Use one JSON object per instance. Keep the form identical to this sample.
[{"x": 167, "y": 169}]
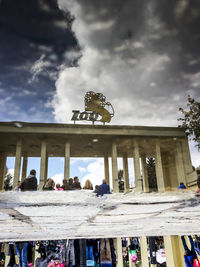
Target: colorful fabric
[
  {"x": 133, "y": 255},
  {"x": 196, "y": 263}
]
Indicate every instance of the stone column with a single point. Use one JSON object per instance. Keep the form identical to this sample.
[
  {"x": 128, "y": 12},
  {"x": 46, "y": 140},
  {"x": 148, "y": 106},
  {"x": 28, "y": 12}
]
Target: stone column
[
  {"x": 46, "y": 169},
  {"x": 179, "y": 163},
  {"x": 106, "y": 169},
  {"x": 138, "y": 180},
  {"x": 17, "y": 163},
  {"x": 172, "y": 171},
  {"x": 43, "y": 164},
  {"x": 126, "y": 174},
  {"x": 2, "y": 169},
  {"x": 114, "y": 169},
  {"x": 119, "y": 252},
  {"x": 36, "y": 253},
  {"x": 186, "y": 157},
  {"x": 166, "y": 171},
  {"x": 144, "y": 251},
  {"x": 67, "y": 161},
  {"x": 24, "y": 167},
  {"x": 7, "y": 259},
  {"x": 159, "y": 170},
  {"x": 145, "y": 175},
  {"x": 174, "y": 253}
]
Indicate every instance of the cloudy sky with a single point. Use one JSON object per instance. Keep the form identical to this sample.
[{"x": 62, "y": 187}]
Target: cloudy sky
[{"x": 142, "y": 54}]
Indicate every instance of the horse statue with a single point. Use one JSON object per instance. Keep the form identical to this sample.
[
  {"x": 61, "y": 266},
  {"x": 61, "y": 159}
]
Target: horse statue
[{"x": 97, "y": 102}]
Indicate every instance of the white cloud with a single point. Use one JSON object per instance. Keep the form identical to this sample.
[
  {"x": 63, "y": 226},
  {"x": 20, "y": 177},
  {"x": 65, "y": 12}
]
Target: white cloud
[
  {"x": 38, "y": 67},
  {"x": 74, "y": 161},
  {"x": 95, "y": 172},
  {"x": 99, "y": 26},
  {"x": 26, "y": 92},
  {"x": 137, "y": 86},
  {"x": 58, "y": 178},
  {"x": 81, "y": 169},
  {"x": 72, "y": 55}
]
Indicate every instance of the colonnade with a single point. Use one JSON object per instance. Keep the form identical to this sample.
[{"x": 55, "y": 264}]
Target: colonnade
[
  {"x": 173, "y": 249},
  {"x": 171, "y": 167}
]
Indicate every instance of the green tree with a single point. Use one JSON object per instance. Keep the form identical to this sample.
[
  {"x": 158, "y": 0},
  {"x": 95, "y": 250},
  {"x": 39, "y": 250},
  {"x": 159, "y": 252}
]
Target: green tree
[
  {"x": 8, "y": 181},
  {"x": 121, "y": 181},
  {"x": 151, "y": 170},
  {"x": 191, "y": 120}
]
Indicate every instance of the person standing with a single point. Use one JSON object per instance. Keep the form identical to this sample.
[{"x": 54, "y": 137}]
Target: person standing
[
  {"x": 76, "y": 183},
  {"x": 190, "y": 256},
  {"x": 30, "y": 183},
  {"x": 21, "y": 249}
]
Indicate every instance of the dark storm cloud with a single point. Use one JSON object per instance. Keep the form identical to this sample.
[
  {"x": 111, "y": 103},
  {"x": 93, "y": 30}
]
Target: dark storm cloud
[
  {"x": 32, "y": 30},
  {"x": 161, "y": 27},
  {"x": 144, "y": 55},
  {"x": 159, "y": 40}
]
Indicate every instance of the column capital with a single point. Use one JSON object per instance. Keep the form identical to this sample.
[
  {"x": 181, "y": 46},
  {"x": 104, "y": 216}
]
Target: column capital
[
  {"x": 114, "y": 143},
  {"x": 124, "y": 155},
  {"x": 19, "y": 143},
  {"x": 135, "y": 142}
]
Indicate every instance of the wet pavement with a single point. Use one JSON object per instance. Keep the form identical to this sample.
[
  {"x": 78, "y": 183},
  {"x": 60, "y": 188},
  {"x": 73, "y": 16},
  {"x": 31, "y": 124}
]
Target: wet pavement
[{"x": 80, "y": 214}]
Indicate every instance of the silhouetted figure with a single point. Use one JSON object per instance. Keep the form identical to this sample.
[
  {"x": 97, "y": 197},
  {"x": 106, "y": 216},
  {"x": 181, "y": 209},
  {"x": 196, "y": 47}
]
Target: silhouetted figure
[
  {"x": 182, "y": 186},
  {"x": 76, "y": 184},
  {"x": 103, "y": 188},
  {"x": 30, "y": 183}
]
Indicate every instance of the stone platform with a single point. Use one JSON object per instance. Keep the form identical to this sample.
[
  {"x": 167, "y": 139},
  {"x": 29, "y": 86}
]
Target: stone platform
[{"x": 80, "y": 214}]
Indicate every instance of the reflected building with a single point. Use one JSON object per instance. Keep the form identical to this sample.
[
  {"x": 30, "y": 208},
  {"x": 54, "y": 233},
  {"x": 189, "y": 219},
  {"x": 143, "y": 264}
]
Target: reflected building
[{"x": 167, "y": 145}]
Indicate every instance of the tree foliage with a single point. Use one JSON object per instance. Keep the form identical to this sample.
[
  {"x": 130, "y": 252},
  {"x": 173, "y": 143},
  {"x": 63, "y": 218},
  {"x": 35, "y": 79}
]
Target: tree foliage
[
  {"x": 151, "y": 170},
  {"x": 8, "y": 181},
  {"x": 191, "y": 120},
  {"x": 121, "y": 181}
]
